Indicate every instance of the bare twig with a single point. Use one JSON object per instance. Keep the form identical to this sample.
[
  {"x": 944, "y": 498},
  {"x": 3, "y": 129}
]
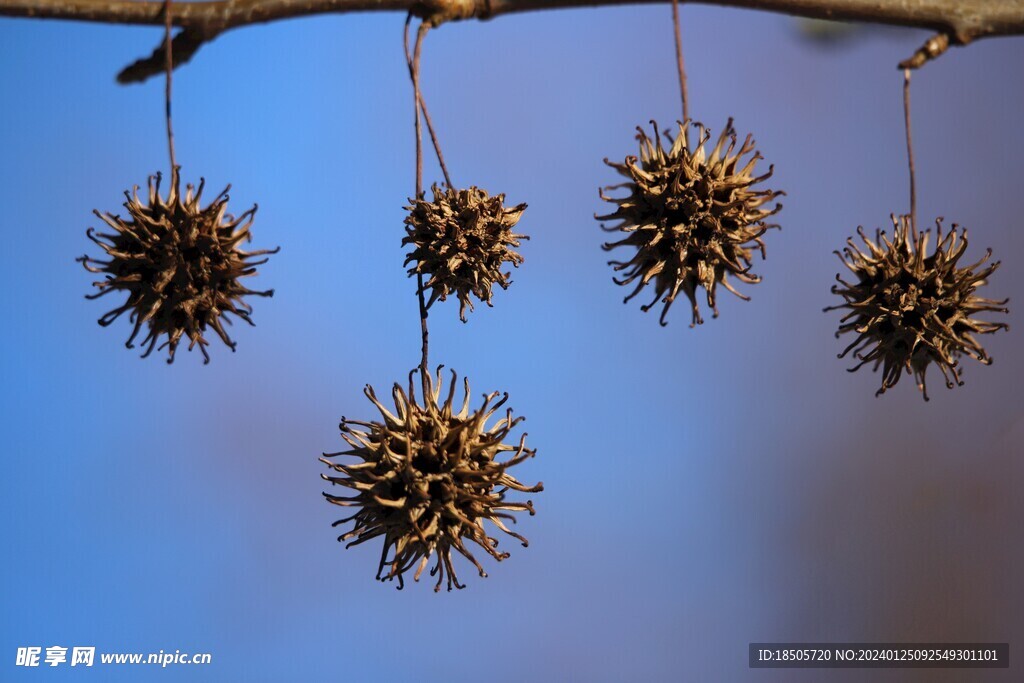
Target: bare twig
[{"x": 963, "y": 22}]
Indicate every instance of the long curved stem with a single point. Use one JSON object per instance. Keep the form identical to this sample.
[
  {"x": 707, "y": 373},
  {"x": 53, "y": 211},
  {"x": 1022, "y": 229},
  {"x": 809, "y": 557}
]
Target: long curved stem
[
  {"x": 414, "y": 75},
  {"x": 910, "y": 150}
]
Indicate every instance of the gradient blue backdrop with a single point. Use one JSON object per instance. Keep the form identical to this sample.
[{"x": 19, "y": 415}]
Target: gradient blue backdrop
[{"x": 704, "y": 488}]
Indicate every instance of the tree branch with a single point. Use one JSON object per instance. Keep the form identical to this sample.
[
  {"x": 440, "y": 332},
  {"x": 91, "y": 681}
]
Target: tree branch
[{"x": 962, "y": 21}]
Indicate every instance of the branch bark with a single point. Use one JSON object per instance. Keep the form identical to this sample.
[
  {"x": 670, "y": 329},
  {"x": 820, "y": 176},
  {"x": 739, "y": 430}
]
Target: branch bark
[{"x": 962, "y": 21}]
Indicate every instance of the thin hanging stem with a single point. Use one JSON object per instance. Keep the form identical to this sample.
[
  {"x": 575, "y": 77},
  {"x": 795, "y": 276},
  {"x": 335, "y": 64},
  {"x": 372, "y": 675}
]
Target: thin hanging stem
[
  {"x": 910, "y": 150},
  {"x": 680, "y": 67},
  {"x": 414, "y": 77},
  {"x": 413, "y": 61},
  {"x": 433, "y": 139},
  {"x": 169, "y": 68}
]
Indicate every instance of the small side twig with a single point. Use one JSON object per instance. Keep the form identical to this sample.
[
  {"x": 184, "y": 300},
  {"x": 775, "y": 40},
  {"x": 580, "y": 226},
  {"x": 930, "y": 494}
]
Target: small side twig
[
  {"x": 185, "y": 44},
  {"x": 933, "y": 48}
]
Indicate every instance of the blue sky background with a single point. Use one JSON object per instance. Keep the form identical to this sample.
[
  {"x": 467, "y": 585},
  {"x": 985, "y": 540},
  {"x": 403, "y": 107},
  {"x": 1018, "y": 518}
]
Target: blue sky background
[{"x": 704, "y": 488}]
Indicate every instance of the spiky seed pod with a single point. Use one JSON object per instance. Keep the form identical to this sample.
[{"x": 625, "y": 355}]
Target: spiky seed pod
[
  {"x": 427, "y": 478},
  {"x": 461, "y": 240},
  {"x": 909, "y": 309},
  {"x": 693, "y": 218},
  {"x": 179, "y": 263}
]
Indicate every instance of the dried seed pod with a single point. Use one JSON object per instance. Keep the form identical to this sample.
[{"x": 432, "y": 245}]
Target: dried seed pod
[
  {"x": 909, "y": 309},
  {"x": 179, "y": 264},
  {"x": 427, "y": 478},
  {"x": 693, "y": 218},
  {"x": 462, "y": 240}
]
